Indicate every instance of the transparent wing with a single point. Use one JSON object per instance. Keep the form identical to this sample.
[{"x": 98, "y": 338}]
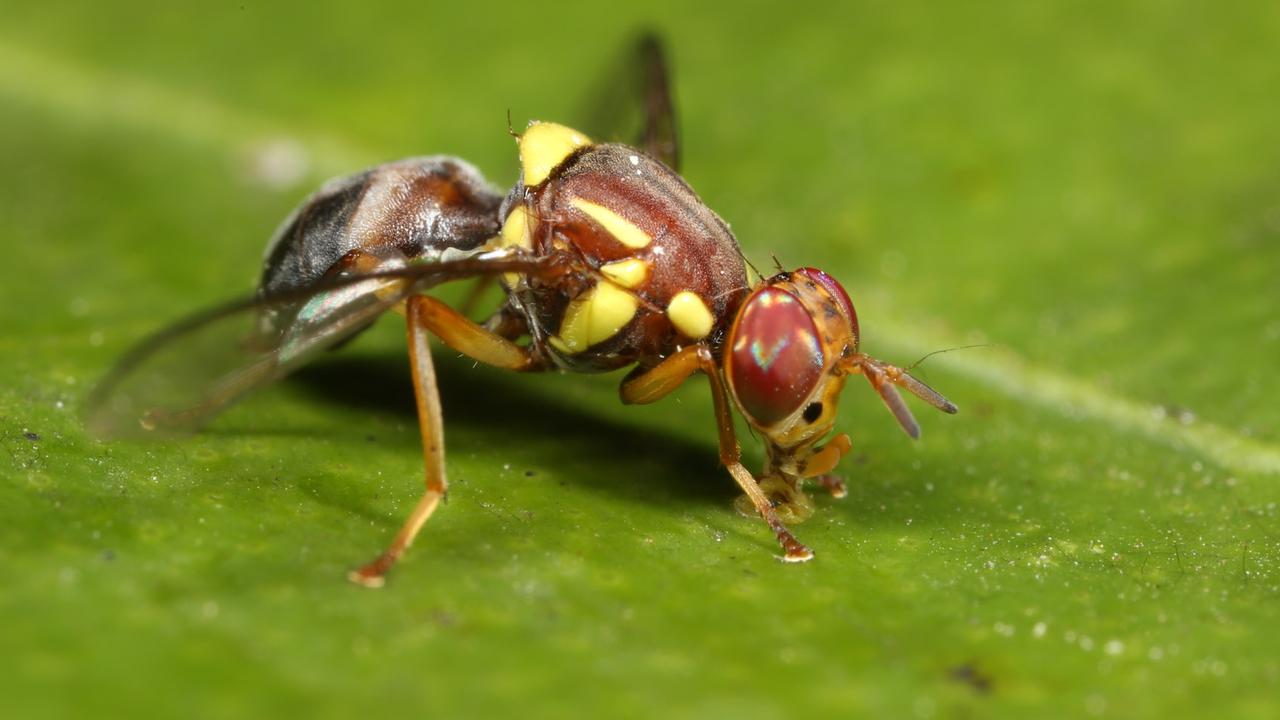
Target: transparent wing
[
  {"x": 179, "y": 378},
  {"x": 633, "y": 103}
]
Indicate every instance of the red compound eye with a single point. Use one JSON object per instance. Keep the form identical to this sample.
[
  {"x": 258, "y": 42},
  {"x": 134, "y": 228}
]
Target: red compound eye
[
  {"x": 774, "y": 359},
  {"x": 837, "y": 292}
]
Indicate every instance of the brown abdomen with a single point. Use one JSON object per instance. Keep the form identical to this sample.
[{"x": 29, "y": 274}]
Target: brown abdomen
[{"x": 406, "y": 209}]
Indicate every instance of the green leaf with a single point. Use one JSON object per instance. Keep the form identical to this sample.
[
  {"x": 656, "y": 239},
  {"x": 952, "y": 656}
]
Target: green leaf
[{"x": 1092, "y": 190}]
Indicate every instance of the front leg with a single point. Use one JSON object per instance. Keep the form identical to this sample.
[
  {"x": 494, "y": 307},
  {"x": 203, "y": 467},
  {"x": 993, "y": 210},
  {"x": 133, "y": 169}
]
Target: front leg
[{"x": 651, "y": 384}]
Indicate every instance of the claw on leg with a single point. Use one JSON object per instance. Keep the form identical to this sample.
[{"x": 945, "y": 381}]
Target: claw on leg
[
  {"x": 834, "y": 485},
  {"x": 793, "y": 550},
  {"x": 426, "y": 315},
  {"x": 799, "y": 555},
  {"x": 373, "y": 575}
]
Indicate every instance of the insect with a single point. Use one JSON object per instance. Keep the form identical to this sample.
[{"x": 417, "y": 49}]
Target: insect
[{"x": 607, "y": 259}]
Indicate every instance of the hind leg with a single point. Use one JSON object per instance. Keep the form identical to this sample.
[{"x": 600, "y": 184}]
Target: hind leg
[{"x": 426, "y": 315}]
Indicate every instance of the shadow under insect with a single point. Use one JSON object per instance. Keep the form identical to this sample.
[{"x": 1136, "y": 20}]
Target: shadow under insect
[{"x": 620, "y": 458}]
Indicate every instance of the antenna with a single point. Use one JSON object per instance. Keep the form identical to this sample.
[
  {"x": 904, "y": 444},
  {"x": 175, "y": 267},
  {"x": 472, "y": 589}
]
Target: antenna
[{"x": 916, "y": 364}]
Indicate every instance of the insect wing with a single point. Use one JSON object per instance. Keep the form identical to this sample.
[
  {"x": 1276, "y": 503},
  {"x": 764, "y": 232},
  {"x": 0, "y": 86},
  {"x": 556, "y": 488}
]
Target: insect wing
[
  {"x": 633, "y": 103},
  {"x": 181, "y": 377}
]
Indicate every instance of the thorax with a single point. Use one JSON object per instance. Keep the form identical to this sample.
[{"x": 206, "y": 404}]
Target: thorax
[{"x": 662, "y": 268}]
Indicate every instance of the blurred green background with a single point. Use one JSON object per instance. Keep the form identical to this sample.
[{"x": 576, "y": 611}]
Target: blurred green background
[{"x": 1093, "y": 188}]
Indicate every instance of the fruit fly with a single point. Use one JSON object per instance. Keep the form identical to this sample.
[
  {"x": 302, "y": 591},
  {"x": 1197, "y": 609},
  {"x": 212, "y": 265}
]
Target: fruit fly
[{"x": 607, "y": 259}]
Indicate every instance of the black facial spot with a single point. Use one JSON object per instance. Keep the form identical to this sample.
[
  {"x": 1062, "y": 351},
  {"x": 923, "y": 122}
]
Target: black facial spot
[{"x": 813, "y": 412}]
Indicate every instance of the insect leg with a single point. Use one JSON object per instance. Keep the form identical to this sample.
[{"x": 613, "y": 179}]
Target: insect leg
[
  {"x": 430, "y": 423},
  {"x": 825, "y": 460},
  {"x": 653, "y": 383},
  {"x": 833, "y": 484},
  {"x": 731, "y": 455},
  {"x": 473, "y": 340},
  {"x": 646, "y": 385}
]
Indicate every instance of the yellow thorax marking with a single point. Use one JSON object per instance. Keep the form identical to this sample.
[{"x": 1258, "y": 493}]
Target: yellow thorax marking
[
  {"x": 629, "y": 273},
  {"x": 619, "y": 227},
  {"x": 594, "y": 316},
  {"x": 545, "y": 145},
  {"x": 515, "y": 233},
  {"x": 690, "y": 315}
]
